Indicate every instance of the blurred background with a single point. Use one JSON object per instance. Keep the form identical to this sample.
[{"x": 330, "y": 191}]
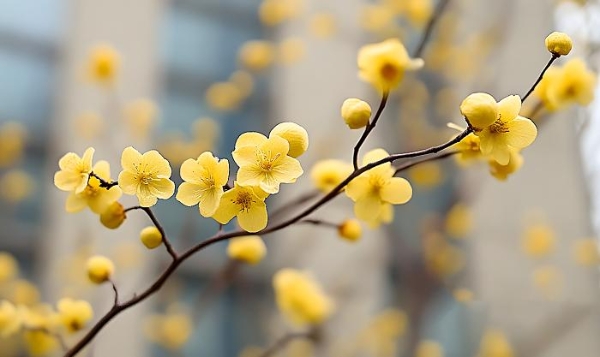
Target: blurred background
[{"x": 472, "y": 266}]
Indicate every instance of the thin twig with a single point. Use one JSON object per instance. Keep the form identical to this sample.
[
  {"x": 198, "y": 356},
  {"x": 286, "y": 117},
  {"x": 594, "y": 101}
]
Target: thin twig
[
  {"x": 413, "y": 163},
  {"x": 439, "y": 10},
  {"x": 116, "y": 291},
  {"x": 103, "y": 183},
  {"x": 369, "y": 128},
  {"x": 160, "y": 228},
  {"x": 319, "y": 222},
  {"x": 284, "y": 341},
  {"x": 552, "y": 59}
]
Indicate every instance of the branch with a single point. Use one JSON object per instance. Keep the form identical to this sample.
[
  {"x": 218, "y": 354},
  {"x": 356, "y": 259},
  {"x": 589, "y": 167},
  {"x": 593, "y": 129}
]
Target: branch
[
  {"x": 369, "y": 128},
  {"x": 116, "y": 291},
  {"x": 552, "y": 59},
  {"x": 413, "y": 163},
  {"x": 160, "y": 228},
  {"x": 320, "y": 222},
  {"x": 439, "y": 10},
  {"x": 103, "y": 183}
]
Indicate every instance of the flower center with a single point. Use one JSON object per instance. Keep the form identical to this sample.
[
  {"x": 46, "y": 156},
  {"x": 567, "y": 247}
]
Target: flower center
[
  {"x": 376, "y": 182},
  {"x": 208, "y": 181},
  {"x": 145, "y": 178},
  {"x": 266, "y": 161},
  {"x": 498, "y": 127},
  {"x": 389, "y": 72},
  {"x": 244, "y": 199}
]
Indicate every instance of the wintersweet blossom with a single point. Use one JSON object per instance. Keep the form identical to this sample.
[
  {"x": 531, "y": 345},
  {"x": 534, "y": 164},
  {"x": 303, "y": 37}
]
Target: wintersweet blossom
[
  {"x": 97, "y": 198},
  {"x": 295, "y": 135},
  {"x": 327, "y": 174},
  {"x": 10, "y": 319},
  {"x": 151, "y": 237},
  {"x": 350, "y": 230},
  {"x": 264, "y": 162},
  {"x": 559, "y": 43},
  {"x": 100, "y": 269},
  {"x": 204, "y": 179},
  {"x": 247, "y": 204},
  {"x": 103, "y": 64},
  {"x": 248, "y": 249},
  {"x": 146, "y": 176},
  {"x": 509, "y": 132},
  {"x": 495, "y": 344},
  {"x": 566, "y": 85},
  {"x": 74, "y": 171},
  {"x": 383, "y": 64},
  {"x": 377, "y": 187},
  {"x": 74, "y": 314},
  {"x": 502, "y": 172},
  {"x": 469, "y": 150}
]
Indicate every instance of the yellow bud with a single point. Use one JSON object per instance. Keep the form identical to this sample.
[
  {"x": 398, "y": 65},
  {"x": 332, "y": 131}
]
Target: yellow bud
[
  {"x": 295, "y": 135},
  {"x": 480, "y": 110},
  {"x": 113, "y": 216},
  {"x": 151, "y": 237},
  {"x": 256, "y": 55},
  {"x": 100, "y": 269},
  {"x": 356, "y": 113},
  {"x": 559, "y": 43},
  {"x": 74, "y": 314},
  {"x": 248, "y": 249},
  {"x": 350, "y": 230}
]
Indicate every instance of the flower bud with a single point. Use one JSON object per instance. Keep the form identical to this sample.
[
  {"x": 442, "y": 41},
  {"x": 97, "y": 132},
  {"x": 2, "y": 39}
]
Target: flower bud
[
  {"x": 356, "y": 113},
  {"x": 248, "y": 249},
  {"x": 151, "y": 237},
  {"x": 295, "y": 135},
  {"x": 480, "y": 110},
  {"x": 350, "y": 230},
  {"x": 559, "y": 43},
  {"x": 100, "y": 269},
  {"x": 113, "y": 216}
]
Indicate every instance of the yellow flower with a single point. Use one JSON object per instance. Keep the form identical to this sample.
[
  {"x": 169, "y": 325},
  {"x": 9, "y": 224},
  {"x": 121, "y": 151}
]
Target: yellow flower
[
  {"x": 295, "y": 135},
  {"x": 459, "y": 221},
  {"x": 327, "y": 174},
  {"x": 146, "y": 176},
  {"x": 100, "y": 269},
  {"x": 12, "y": 143},
  {"x": 495, "y": 344},
  {"x": 16, "y": 185},
  {"x": 572, "y": 83},
  {"x": 151, "y": 237},
  {"x": 510, "y": 131},
  {"x": 9, "y": 268},
  {"x": 113, "y": 216},
  {"x": 10, "y": 319},
  {"x": 248, "y": 249},
  {"x": 377, "y": 187},
  {"x": 418, "y": 12},
  {"x": 350, "y": 230},
  {"x": 22, "y": 292},
  {"x": 585, "y": 252},
  {"x": 171, "y": 330},
  {"x": 141, "y": 115},
  {"x": 247, "y": 204},
  {"x": 265, "y": 162},
  {"x": 480, "y": 110},
  {"x": 383, "y": 64},
  {"x": 322, "y": 25},
  {"x": 204, "y": 180},
  {"x": 501, "y": 172},
  {"x": 256, "y": 55},
  {"x": 39, "y": 343},
  {"x": 103, "y": 64},
  {"x": 426, "y": 175},
  {"x": 291, "y": 50},
  {"x": 224, "y": 96},
  {"x": 442, "y": 258},
  {"x": 428, "y": 348},
  {"x": 356, "y": 113},
  {"x": 300, "y": 298},
  {"x": 559, "y": 43},
  {"x": 74, "y": 171},
  {"x": 538, "y": 241},
  {"x": 468, "y": 150},
  {"x": 97, "y": 198},
  {"x": 74, "y": 314}
]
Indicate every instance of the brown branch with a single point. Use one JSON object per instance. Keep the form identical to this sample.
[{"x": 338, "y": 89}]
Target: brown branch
[
  {"x": 103, "y": 183},
  {"x": 438, "y": 12},
  {"x": 413, "y": 163},
  {"x": 539, "y": 79},
  {"x": 370, "y": 126},
  {"x": 320, "y": 222},
  {"x": 116, "y": 291}
]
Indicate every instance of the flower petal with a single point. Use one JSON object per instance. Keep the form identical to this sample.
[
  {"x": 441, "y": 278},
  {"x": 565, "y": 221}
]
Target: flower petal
[
  {"x": 209, "y": 202},
  {"x": 189, "y": 193},
  {"x": 128, "y": 182},
  {"x": 358, "y": 187},
  {"x": 156, "y": 164},
  {"x": 522, "y": 133},
  {"x": 189, "y": 171},
  {"x": 509, "y": 108},
  {"x": 75, "y": 203},
  {"x": 145, "y": 197},
  {"x": 130, "y": 158},
  {"x": 227, "y": 208},
  {"x": 368, "y": 207},
  {"x": 162, "y": 188},
  {"x": 287, "y": 170},
  {"x": 250, "y": 139},
  {"x": 245, "y": 156},
  {"x": 255, "y": 218},
  {"x": 397, "y": 191}
]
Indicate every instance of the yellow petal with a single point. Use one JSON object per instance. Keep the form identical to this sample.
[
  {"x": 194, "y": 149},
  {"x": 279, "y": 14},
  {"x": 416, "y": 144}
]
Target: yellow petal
[
  {"x": 75, "y": 203},
  {"x": 397, "y": 191},
  {"x": 501, "y": 154},
  {"x": 227, "y": 208},
  {"x": 145, "y": 197},
  {"x": 156, "y": 164},
  {"x": 522, "y": 133},
  {"x": 221, "y": 174},
  {"x": 66, "y": 180},
  {"x": 274, "y": 147},
  {"x": 102, "y": 169},
  {"x": 368, "y": 207},
  {"x": 69, "y": 162},
  {"x": 287, "y": 170},
  {"x": 130, "y": 158},
  {"x": 128, "y": 182},
  {"x": 189, "y": 171},
  {"x": 87, "y": 158},
  {"x": 509, "y": 107},
  {"x": 189, "y": 193},
  {"x": 245, "y": 156},
  {"x": 255, "y": 218},
  {"x": 358, "y": 187},
  {"x": 374, "y": 155},
  {"x": 250, "y": 175},
  {"x": 162, "y": 188},
  {"x": 209, "y": 202},
  {"x": 250, "y": 139}
]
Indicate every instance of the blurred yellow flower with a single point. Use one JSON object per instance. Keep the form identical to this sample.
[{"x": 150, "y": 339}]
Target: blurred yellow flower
[
  {"x": 224, "y": 96},
  {"x": 383, "y": 64},
  {"x": 40, "y": 343},
  {"x": 376, "y": 17},
  {"x": 429, "y": 348},
  {"x": 16, "y": 185},
  {"x": 459, "y": 221},
  {"x": 74, "y": 315},
  {"x": 248, "y": 249},
  {"x": 204, "y": 179},
  {"x": 563, "y": 86},
  {"x": 377, "y": 187},
  {"x": 12, "y": 143},
  {"x": 548, "y": 280},
  {"x": 74, "y": 171},
  {"x": 113, "y": 216},
  {"x": 141, "y": 116},
  {"x": 9, "y": 268},
  {"x": 501, "y": 172},
  {"x": 247, "y": 204},
  {"x": 495, "y": 344},
  {"x": 171, "y": 330},
  {"x": 559, "y": 43},
  {"x": 295, "y": 135},
  {"x": 103, "y": 64},
  {"x": 538, "y": 240},
  {"x": 89, "y": 125},
  {"x": 291, "y": 50},
  {"x": 10, "y": 319},
  {"x": 585, "y": 252},
  {"x": 146, "y": 176},
  {"x": 322, "y": 25},
  {"x": 480, "y": 110},
  {"x": 510, "y": 131},
  {"x": 418, "y": 12},
  {"x": 327, "y": 174},
  {"x": 151, "y": 237},
  {"x": 97, "y": 198},
  {"x": 264, "y": 162},
  {"x": 442, "y": 258},
  {"x": 100, "y": 269},
  {"x": 426, "y": 175},
  {"x": 22, "y": 292},
  {"x": 274, "y": 12},
  {"x": 256, "y": 55},
  {"x": 243, "y": 81},
  {"x": 350, "y": 230},
  {"x": 356, "y": 113},
  {"x": 469, "y": 150},
  {"x": 300, "y": 298}
]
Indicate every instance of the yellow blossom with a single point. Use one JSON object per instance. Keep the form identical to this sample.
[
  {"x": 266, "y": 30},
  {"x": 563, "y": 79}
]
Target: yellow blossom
[
  {"x": 376, "y": 17},
  {"x": 256, "y": 55},
  {"x": 274, "y": 12},
  {"x": 441, "y": 257},
  {"x": 248, "y": 249},
  {"x": 22, "y": 292},
  {"x": 9, "y": 268},
  {"x": 468, "y": 150},
  {"x": 224, "y": 96},
  {"x": 141, "y": 115},
  {"x": 74, "y": 315},
  {"x": 97, "y": 198},
  {"x": 585, "y": 252},
  {"x": 571, "y": 83},
  {"x": 322, "y": 25},
  {"x": 151, "y": 237},
  {"x": 295, "y": 135},
  {"x": 356, "y": 113},
  {"x": 300, "y": 298},
  {"x": 264, "y": 162},
  {"x": 538, "y": 240},
  {"x": 10, "y": 319},
  {"x": 426, "y": 175},
  {"x": 247, "y": 204},
  {"x": 377, "y": 187},
  {"x": 559, "y": 43},
  {"x": 171, "y": 330},
  {"x": 509, "y": 132},
  {"x": 350, "y": 230},
  {"x": 12, "y": 143},
  {"x": 100, "y": 269},
  {"x": 146, "y": 176},
  {"x": 204, "y": 179},
  {"x": 103, "y": 64},
  {"x": 327, "y": 174},
  {"x": 40, "y": 343},
  {"x": 113, "y": 216},
  {"x": 16, "y": 185},
  {"x": 459, "y": 221},
  {"x": 480, "y": 110},
  {"x": 74, "y": 171},
  {"x": 291, "y": 50},
  {"x": 418, "y": 12},
  {"x": 501, "y": 172},
  {"x": 495, "y": 344},
  {"x": 383, "y": 64},
  {"x": 243, "y": 81},
  {"x": 428, "y": 348}
]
